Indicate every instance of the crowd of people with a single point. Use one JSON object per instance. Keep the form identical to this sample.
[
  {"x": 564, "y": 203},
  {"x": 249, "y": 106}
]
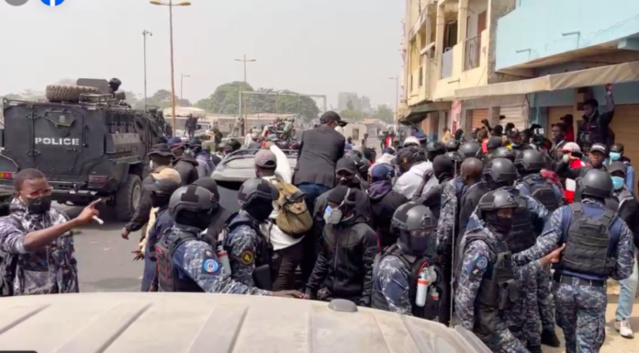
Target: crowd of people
[{"x": 508, "y": 237}]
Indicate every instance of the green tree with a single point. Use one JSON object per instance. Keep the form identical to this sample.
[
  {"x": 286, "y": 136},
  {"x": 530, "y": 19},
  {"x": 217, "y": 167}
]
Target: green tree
[
  {"x": 225, "y": 98},
  {"x": 384, "y": 113},
  {"x": 351, "y": 115}
]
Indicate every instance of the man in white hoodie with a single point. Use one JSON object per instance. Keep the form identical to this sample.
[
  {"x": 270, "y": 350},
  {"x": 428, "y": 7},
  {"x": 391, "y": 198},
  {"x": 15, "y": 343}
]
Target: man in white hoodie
[
  {"x": 386, "y": 158},
  {"x": 413, "y": 168},
  {"x": 271, "y": 164}
]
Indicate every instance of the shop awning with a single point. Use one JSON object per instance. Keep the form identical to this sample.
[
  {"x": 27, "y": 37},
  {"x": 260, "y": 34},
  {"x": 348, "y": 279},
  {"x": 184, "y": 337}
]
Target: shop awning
[
  {"x": 596, "y": 76},
  {"x": 418, "y": 113}
]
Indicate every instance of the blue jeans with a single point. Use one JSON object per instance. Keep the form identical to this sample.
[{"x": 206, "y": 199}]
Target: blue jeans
[
  {"x": 627, "y": 294},
  {"x": 312, "y": 191}
]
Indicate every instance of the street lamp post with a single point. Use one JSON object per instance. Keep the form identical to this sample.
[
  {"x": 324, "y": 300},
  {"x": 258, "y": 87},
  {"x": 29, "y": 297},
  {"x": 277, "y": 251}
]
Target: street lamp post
[
  {"x": 245, "y": 60},
  {"x": 182, "y": 76},
  {"x": 170, "y": 5},
  {"x": 144, "y": 34}
]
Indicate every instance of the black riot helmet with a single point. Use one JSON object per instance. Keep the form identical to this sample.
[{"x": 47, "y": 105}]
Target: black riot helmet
[
  {"x": 494, "y": 201},
  {"x": 434, "y": 149},
  {"x": 504, "y": 152},
  {"x": 469, "y": 149},
  {"x": 596, "y": 183},
  {"x": 257, "y": 190},
  {"x": 443, "y": 168},
  {"x": 417, "y": 228},
  {"x": 530, "y": 161},
  {"x": 191, "y": 205},
  {"x": 452, "y": 145},
  {"x": 499, "y": 172},
  {"x": 361, "y": 163},
  {"x": 457, "y": 160}
]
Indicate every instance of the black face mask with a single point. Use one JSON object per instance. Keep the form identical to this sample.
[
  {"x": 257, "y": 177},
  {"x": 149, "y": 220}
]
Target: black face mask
[
  {"x": 497, "y": 224},
  {"x": 259, "y": 210},
  {"x": 40, "y": 205},
  {"x": 199, "y": 220},
  {"x": 159, "y": 200}
]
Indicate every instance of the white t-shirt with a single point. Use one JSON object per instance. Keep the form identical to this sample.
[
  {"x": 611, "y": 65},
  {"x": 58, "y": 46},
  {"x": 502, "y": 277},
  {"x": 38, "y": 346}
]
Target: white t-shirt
[{"x": 277, "y": 237}]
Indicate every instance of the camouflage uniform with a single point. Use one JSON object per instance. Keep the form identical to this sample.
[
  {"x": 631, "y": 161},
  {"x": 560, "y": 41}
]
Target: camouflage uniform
[
  {"x": 447, "y": 218},
  {"x": 475, "y": 261},
  {"x": 47, "y": 270},
  {"x": 243, "y": 245},
  {"x": 524, "y": 316},
  {"x": 581, "y": 309},
  {"x": 196, "y": 260},
  {"x": 391, "y": 278}
]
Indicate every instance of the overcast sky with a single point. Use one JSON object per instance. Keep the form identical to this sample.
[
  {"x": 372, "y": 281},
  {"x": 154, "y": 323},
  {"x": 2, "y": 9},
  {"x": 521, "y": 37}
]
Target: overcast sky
[{"x": 308, "y": 46}]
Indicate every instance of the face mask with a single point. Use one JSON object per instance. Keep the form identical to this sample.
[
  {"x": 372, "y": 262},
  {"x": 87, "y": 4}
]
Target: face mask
[
  {"x": 159, "y": 200},
  {"x": 617, "y": 182},
  {"x": 345, "y": 180},
  {"x": 199, "y": 220},
  {"x": 333, "y": 215},
  {"x": 420, "y": 243},
  {"x": 151, "y": 165},
  {"x": 40, "y": 205},
  {"x": 615, "y": 156},
  {"x": 500, "y": 225},
  {"x": 565, "y": 158}
]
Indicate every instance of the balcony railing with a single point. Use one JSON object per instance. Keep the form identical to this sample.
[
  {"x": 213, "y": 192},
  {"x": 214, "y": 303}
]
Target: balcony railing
[
  {"x": 447, "y": 64},
  {"x": 472, "y": 52}
]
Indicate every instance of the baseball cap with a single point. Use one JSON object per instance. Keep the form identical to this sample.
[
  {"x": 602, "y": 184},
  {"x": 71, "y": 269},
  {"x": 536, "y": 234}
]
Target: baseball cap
[
  {"x": 382, "y": 172},
  {"x": 265, "y": 159},
  {"x": 571, "y": 147},
  {"x": 338, "y": 194},
  {"x": 411, "y": 140},
  {"x": 346, "y": 164},
  {"x": 163, "y": 186},
  {"x": 617, "y": 167},
  {"x": 598, "y": 147},
  {"x": 420, "y": 136},
  {"x": 168, "y": 173},
  {"x": 513, "y": 132},
  {"x": 174, "y": 142},
  {"x": 332, "y": 116},
  {"x": 161, "y": 149}
]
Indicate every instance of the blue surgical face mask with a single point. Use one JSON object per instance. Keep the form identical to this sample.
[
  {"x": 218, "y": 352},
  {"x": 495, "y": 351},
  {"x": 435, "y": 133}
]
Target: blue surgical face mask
[
  {"x": 617, "y": 182},
  {"x": 566, "y": 157},
  {"x": 615, "y": 156}
]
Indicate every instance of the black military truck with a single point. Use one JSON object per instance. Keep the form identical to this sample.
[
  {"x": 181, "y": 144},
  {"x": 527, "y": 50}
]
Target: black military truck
[{"x": 87, "y": 140}]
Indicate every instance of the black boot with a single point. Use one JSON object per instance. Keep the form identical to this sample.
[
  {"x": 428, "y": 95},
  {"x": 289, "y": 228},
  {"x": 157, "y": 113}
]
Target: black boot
[
  {"x": 534, "y": 349},
  {"x": 549, "y": 338}
]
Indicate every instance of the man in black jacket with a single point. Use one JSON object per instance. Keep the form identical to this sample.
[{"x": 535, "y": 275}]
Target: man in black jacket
[
  {"x": 319, "y": 151},
  {"x": 160, "y": 166},
  {"x": 344, "y": 267},
  {"x": 185, "y": 163},
  {"x": 384, "y": 203}
]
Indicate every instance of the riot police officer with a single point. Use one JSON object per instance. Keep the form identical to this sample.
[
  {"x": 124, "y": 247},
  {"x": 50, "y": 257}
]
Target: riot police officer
[
  {"x": 598, "y": 245},
  {"x": 488, "y": 280},
  {"x": 452, "y": 145},
  {"x": 504, "y": 152},
  {"x": 186, "y": 263},
  {"x": 529, "y": 163},
  {"x": 528, "y": 222},
  {"x": 434, "y": 149},
  {"x": 249, "y": 252},
  {"x": 470, "y": 149},
  {"x": 398, "y": 269}
]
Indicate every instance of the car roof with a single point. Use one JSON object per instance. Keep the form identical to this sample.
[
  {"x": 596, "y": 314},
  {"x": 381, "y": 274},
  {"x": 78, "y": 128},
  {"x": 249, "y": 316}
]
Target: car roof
[
  {"x": 240, "y": 165},
  {"x": 203, "y": 322}
]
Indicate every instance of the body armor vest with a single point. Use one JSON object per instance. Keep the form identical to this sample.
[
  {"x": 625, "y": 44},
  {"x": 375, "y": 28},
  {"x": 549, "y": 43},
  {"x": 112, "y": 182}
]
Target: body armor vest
[
  {"x": 168, "y": 279},
  {"x": 521, "y": 235},
  {"x": 263, "y": 258},
  {"x": 498, "y": 290},
  {"x": 588, "y": 243},
  {"x": 542, "y": 191},
  {"x": 414, "y": 264}
]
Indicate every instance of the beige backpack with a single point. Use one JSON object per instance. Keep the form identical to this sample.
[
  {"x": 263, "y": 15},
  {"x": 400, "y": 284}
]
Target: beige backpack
[{"x": 293, "y": 218}]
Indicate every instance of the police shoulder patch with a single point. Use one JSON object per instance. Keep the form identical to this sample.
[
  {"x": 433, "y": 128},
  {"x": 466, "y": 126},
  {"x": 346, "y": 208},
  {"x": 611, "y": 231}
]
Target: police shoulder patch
[
  {"x": 247, "y": 257},
  {"x": 210, "y": 266},
  {"x": 481, "y": 262}
]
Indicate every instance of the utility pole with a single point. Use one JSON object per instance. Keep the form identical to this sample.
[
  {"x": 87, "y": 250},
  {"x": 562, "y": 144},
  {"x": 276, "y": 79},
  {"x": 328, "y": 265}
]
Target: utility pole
[
  {"x": 144, "y": 34},
  {"x": 245, "y": 60},
  {"x": 182, "y": 76}
]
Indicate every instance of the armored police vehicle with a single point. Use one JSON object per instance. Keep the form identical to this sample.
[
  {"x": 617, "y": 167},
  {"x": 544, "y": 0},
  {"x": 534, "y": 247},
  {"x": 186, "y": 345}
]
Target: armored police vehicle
[
  {"x": 216, "y": 323},
  {"x": 85, "y": 139}
]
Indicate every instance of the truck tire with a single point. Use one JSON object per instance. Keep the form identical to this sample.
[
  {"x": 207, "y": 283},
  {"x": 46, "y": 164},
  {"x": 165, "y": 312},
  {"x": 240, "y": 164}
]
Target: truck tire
[
  {"x": 127, "y": 198},
  {"x": 62, "y": 93}
]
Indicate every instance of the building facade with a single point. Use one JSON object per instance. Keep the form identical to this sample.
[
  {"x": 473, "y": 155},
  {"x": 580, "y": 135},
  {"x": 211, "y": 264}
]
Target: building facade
[{"x": 531, "y": 61}]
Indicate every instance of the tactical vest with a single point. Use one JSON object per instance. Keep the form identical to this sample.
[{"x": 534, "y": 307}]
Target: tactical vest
[
  {"x": 264, "y": 253},
  {"x": 168, "y": 279},
  {"x": 588, "y": 243},
  {"x": 498, "y": 289},
  {"x": 542, "y": 191},
  {"x": 219, "y": 221},
  {"x": 433, "y": 199},
  {"x": 430, "y": 310},
  {"x": 521, "y": 235}
]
